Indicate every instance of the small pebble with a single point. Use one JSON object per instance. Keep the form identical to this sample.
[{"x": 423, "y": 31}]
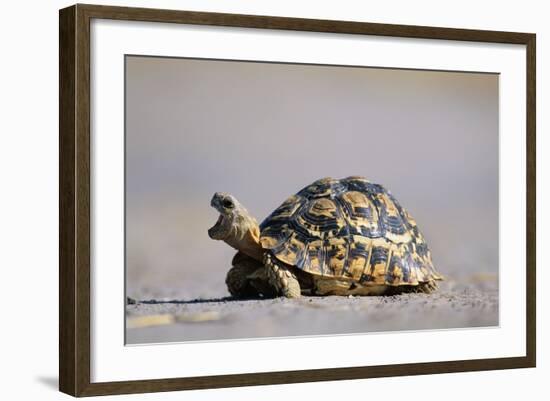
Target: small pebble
[
  {"x": 206, "y": 316},
  {"x": 149, "y": 321}
]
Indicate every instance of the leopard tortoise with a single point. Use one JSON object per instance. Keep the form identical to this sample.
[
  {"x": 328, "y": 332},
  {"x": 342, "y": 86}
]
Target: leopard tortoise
[{"x": 334, "y": 237}]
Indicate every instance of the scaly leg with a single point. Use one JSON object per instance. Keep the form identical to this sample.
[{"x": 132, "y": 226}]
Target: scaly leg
[
  {"x": 247, "y": 278},
  {"x": 281, "y": 278},
  {"x": 237, "y": 280}
]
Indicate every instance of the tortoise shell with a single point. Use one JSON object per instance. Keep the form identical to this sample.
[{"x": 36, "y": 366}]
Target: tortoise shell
[{"x": 349, "y": 228}]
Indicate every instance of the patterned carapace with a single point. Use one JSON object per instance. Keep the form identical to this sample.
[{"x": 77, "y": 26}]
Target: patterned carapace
[{"x": 349, "y": 228}]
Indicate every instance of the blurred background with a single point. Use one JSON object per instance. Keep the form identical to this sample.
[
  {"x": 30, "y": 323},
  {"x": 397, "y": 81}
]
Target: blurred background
[{"x": 262, "y": 131}]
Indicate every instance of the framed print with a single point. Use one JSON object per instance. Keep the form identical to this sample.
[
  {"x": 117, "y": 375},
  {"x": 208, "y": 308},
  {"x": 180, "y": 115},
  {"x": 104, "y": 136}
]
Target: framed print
[{"x": 250, "y": 200}]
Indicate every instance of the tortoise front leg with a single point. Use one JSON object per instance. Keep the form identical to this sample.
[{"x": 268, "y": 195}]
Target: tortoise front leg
[
  {"x": 247, "y": 278},
  {"x": 282, "y": 278}
]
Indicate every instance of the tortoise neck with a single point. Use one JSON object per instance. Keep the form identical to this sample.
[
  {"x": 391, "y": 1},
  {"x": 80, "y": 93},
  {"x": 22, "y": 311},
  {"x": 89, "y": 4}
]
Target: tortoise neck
[{"x": 248, "y": 243}]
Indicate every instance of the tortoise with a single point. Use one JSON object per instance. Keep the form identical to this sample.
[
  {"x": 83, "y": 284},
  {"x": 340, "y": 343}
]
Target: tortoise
[{"x": 334, "y": 237}]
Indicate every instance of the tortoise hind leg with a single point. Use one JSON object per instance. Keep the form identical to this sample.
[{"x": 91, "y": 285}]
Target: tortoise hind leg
[
  {"x": 282, "y": 278},
  {"x": 426, "y": 287}
]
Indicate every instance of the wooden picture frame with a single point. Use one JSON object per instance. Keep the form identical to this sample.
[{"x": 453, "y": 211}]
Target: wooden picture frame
[{"x": 74, "y": 199}]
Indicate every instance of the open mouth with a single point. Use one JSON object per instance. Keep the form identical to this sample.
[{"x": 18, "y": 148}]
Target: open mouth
[{"x": 219, "y": 230}]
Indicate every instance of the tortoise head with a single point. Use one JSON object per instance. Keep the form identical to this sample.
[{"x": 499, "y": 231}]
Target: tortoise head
[{"x": 235, "y": 226}]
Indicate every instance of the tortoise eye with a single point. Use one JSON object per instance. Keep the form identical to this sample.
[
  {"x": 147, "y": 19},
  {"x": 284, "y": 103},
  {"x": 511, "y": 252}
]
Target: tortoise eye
[{"x": 228, "y": 203}]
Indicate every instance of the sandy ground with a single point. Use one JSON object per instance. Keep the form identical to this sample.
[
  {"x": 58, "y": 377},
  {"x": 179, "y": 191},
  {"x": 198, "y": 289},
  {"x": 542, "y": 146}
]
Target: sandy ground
[
  {"x": 469, "y": 302},
  {"x": 429, "y": 137}
]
